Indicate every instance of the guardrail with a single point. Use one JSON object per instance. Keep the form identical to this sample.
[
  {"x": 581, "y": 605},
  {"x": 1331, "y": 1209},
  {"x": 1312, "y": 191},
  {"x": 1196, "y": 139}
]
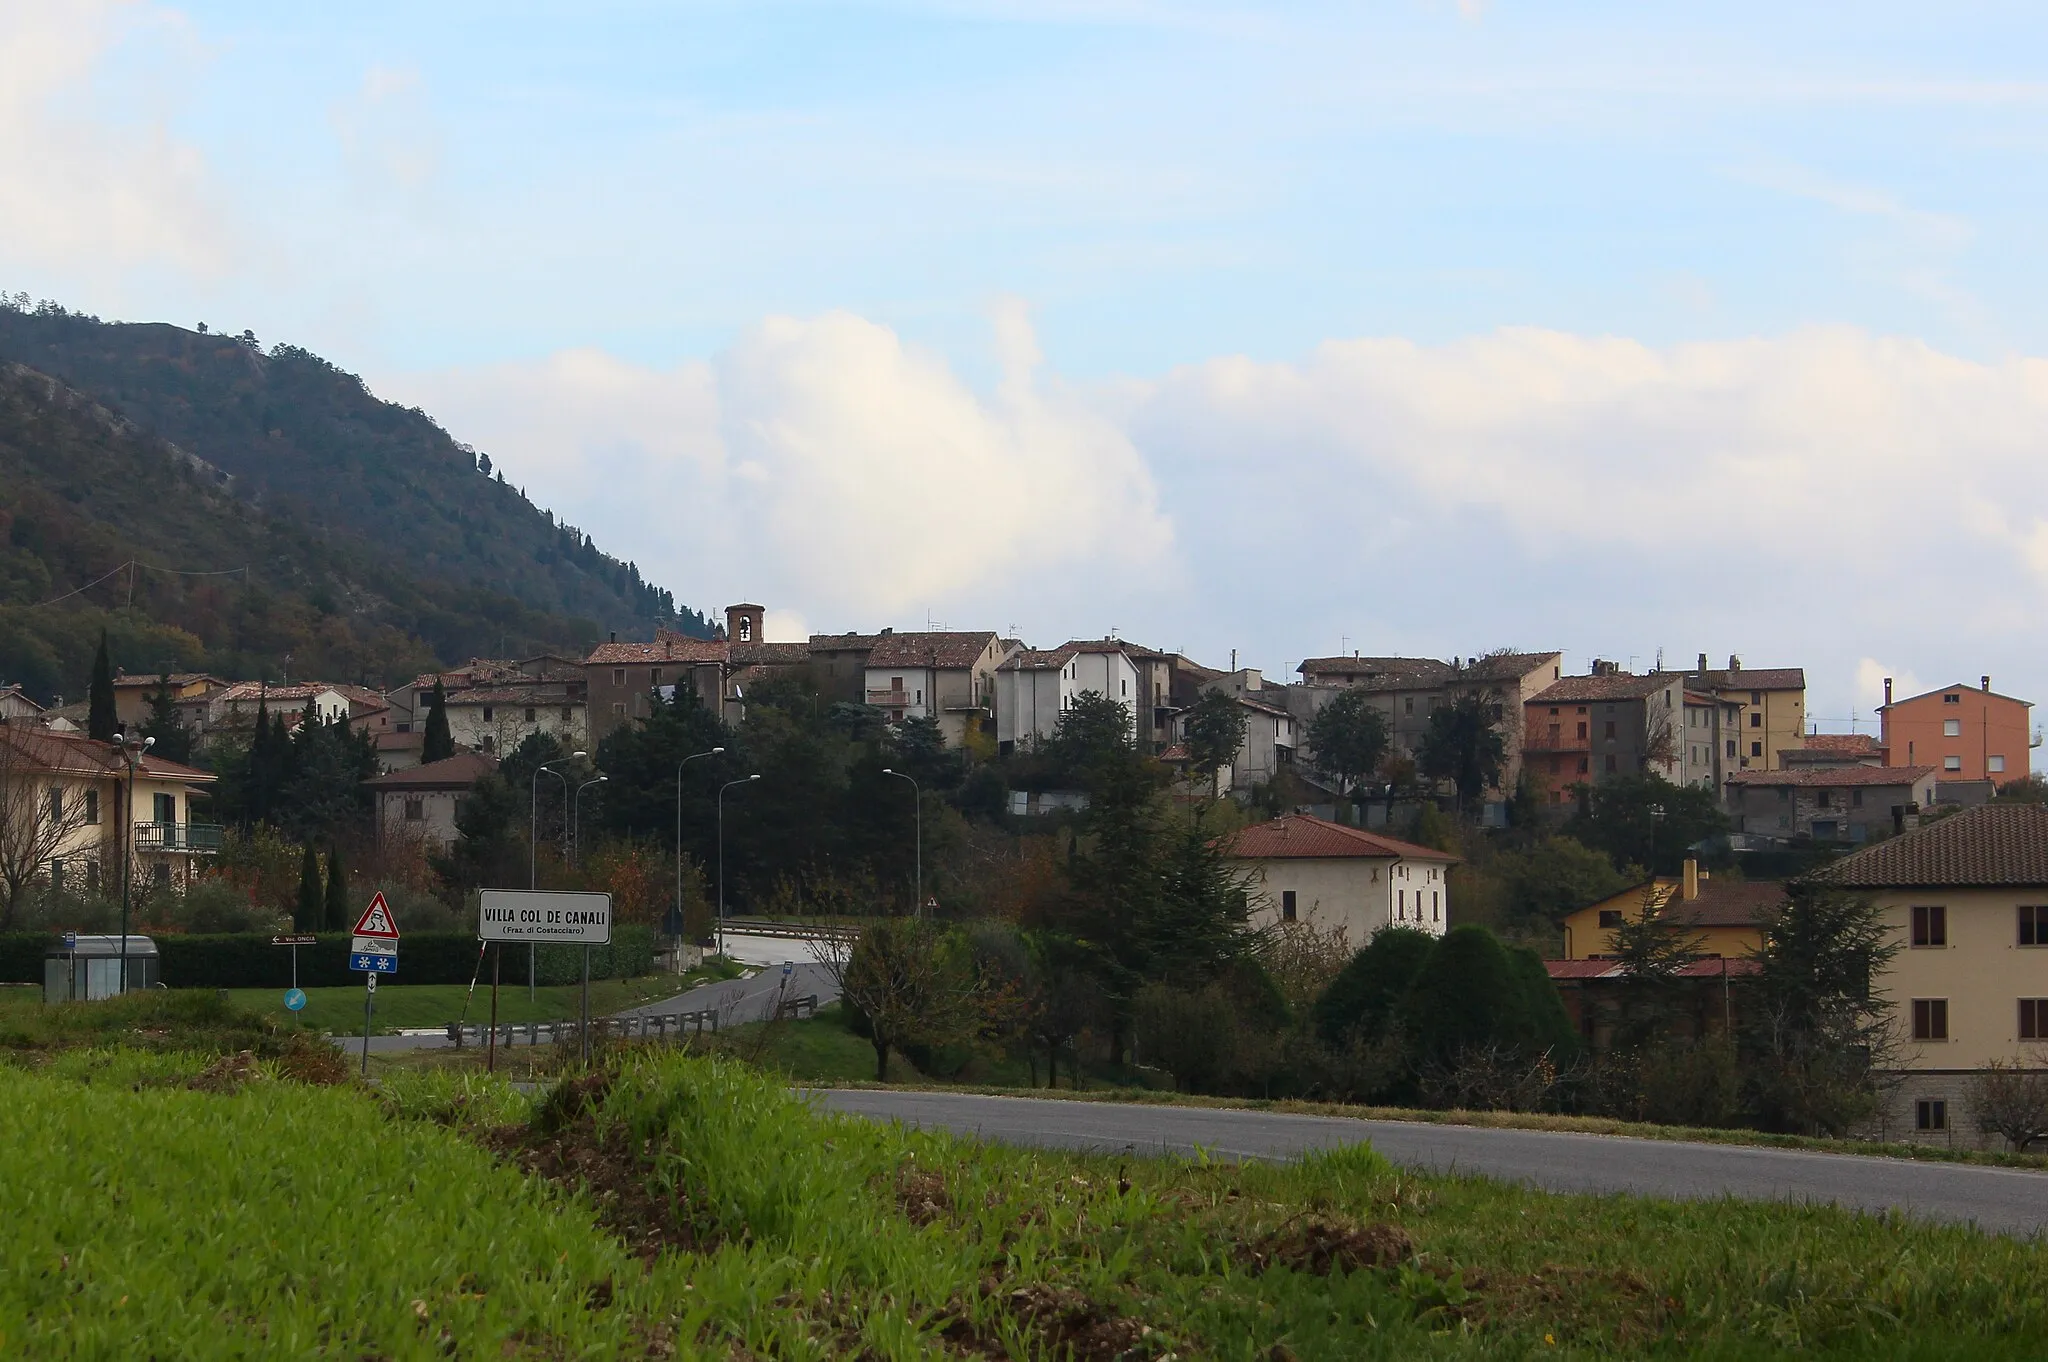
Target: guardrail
[
  {"x": 741, "y": 927},
  {"x": 656, "y": 1026},
  {"x": 202, "y": 838}
]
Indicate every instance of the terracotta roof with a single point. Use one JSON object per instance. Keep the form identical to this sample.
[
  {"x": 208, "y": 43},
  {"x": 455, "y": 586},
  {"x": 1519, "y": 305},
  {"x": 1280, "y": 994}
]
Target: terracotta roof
[
  {"x": 951, "y": 649},
  {"x": 1721, "y": 903},
  {"x": 176, "y": 679},
  {"x": 1177, "y": 752},
  {"x": 539, "y": 693},
  {"x": 395, "y": 741},
  {"x": 75, "y": 754},
  {"x": 1713, "y": 967},
  {"x": 253, "y": 690},
  {"x": 1381, "y": 673},
  {"x": 1832, "y": 776},
  {"x": 1852, "y": 743},
  {"x": 1944, "y": 690},
  {"x": 458, "y": 772},
  {"x": 768, "y": 654},
  {"x": 1761, "y": 678},
  {"x": 1997, "y": 844},
  {"x": 1305, "y": 835},
  {"x": 1097, "y": 645},
  {"x": 1031, "y": 659},
  {"x": 1617, "y": 686},
  {"x": 667, "y": 648},
  {"x": 834, "y": 643},
  {"x": 1508, "y": 666},
  {"x": 1263, "y": 707}
]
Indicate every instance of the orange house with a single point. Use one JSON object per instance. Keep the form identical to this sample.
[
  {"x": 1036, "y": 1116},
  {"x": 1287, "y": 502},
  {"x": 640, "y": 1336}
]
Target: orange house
[{"x": 1966, "y": 732}]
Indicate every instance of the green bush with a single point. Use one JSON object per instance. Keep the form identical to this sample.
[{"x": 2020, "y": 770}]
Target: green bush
[
  {"x": 1542, "y": 1026},
  {"x": 1466, "y": 996},
  {"x": 1360, "y": 1001},
  {"x": 248, "y": 960},
  {"x": 21, "y": 956}
]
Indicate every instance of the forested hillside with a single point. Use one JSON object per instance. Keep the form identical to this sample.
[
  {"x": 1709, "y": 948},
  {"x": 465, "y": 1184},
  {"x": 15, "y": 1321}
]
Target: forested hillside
[{"x": 351, "y": 534}]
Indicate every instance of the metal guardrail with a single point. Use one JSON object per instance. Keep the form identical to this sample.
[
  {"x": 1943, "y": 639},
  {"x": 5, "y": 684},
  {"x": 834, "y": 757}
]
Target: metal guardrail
[
  {"x": 656, "y": 1026},
  {"x": 202, "y": 838},
  {"x": 742, "y": 927}
]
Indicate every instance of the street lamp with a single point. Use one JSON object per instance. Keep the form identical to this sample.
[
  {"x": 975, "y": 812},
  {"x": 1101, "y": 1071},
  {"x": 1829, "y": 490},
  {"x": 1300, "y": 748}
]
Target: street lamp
[
  {"x": 721, "y": 854},
  {"x": 131, "y": 751},
  {"x": 694, "y": 756},
  {"x": 533, "y": 847},
  {"x": 576, "y": 819},
  {"x": 917, "y": 806}
]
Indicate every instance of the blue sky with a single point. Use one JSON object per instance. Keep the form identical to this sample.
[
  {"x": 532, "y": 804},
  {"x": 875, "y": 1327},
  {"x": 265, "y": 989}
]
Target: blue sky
[{"x": 1409, "y": 326}]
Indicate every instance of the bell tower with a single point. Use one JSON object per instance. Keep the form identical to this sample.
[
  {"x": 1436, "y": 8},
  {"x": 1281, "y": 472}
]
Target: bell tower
[{"x": 744, "y": 623}]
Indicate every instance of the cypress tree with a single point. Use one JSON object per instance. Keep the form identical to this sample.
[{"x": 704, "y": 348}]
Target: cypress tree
[
  {"x": 173, "y": 739},
  {"x": 337, "y": 893},
  {"x": 1361, "y": 999},
  {"x": 262, "y": 760},
  {"x": 307, "y": 916},
  {"x": 1465, "y": 996},
  {"x": 101, "y": 723},
  {"x": 440, "y": 743}
]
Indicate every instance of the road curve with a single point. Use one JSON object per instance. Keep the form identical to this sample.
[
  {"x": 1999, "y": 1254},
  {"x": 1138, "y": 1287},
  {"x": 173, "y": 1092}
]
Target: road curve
[{"x": 1999, "y": 1200}]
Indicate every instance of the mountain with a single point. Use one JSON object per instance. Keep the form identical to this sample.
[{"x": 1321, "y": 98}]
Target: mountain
[{"x": 274, "y": 507}]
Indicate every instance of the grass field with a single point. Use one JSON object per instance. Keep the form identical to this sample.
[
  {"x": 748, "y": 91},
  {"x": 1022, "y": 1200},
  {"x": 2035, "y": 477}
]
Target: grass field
[
  {"x": 404, "y": 1006},
  {"x": 692, "y": 1207}
]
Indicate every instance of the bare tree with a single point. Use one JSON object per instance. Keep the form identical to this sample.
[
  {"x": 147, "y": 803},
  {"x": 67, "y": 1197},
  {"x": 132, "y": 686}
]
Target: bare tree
[
  {"x": 41, "y": 812},
  {"x": 2011, "y": 1099}
]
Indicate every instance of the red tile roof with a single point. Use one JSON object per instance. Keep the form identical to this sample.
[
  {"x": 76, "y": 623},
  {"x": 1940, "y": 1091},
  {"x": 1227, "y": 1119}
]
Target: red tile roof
[
  {"x": 1617, "y": 686},
  {"x": 1852, "y": 743},
  {"x": 668, "y": 648},
  {"x": 254, "y": 690},
  {"x": 458, "y": 772},
  {"x": 1745, "y": 678},
  {"x": 1032, "y": 659},
  {"x": 1998, "y": 844},
  {"x": 1832, "y": 777},
  {"x": 950, "y": 649},
  {"x": 1721, "y": 902},
  {"x": 75, "y": 754},
  {"x": 1305, "y": 835},
  {"x": 176, "y": 678},
  {"x": 1713, "y": 967}
]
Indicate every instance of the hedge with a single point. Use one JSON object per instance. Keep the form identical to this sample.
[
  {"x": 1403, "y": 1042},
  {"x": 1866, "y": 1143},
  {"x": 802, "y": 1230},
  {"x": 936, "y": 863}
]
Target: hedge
[{"x": 248, "y": 960}]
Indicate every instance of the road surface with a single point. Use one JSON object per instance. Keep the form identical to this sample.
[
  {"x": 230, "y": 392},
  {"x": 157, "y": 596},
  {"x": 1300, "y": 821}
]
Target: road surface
[{"x": 2000, "y": 1200}]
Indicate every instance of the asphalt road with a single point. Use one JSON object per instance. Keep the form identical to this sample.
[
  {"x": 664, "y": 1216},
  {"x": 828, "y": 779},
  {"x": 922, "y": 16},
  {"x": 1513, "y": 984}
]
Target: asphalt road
[{"x": 2000, "y": 1200}]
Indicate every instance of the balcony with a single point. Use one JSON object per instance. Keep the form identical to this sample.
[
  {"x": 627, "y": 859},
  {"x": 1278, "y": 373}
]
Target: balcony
[
  {"x": 192, "y": 839},
  {"x": 966, "y": 702},
  {"x": 890, "y": 699}
]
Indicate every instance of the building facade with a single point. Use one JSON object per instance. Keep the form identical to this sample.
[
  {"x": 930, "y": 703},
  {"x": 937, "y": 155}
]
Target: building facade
[
  {"x": 1829, "y": 804},
  {"x": 1584, "y": 729},
  {"x": 1034, "y": 688},
  {"x": 1300, "y": 868},
  {"x": 1967, "y": 732},
  {"x": 1771, "y": 701},
  {"x": 421, "y": 803},
  {"x": 947, "y": 676},
  {"x": 71, "y": 805}
]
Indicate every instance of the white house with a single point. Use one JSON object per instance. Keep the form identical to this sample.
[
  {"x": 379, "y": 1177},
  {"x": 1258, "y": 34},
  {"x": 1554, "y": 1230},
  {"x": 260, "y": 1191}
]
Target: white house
[
  {"x": 1270, "y": 743},
  {"x": 949, "y": 676},
  {"x": 421, "y": 802},
  {"x": 1034, "y": 688},
  {"x": 1301, "y": 868},
  {"x": 237, "y": 705}
]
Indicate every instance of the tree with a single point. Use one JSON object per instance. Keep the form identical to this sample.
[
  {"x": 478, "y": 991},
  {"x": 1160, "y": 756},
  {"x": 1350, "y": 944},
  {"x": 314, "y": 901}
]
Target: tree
[
  {"x": 1465, "y": 998},
  {"x": 306, "y": 916},
  {"x": 1543, "y": 1026},
  {"x": 173, "y": 739},
  {"x": 1645, "y": 820},
  {"x": 101, "y": 722},
  {"x": 439, "y": 743},
  {"x": 1094, "y": 740},
  {"x": 489, "y": 850},
  {"x": 1349, "y": 738},
  {"x": 1819, "y": 1034},
  {"x": 2028, "y": 789},
  {"x": 2011, "y": 1099},
  {"x": 1213, "y": 732},
  {"x": 1361, "y": 1001},
  {"x": 1653, "y": 949},
  {"x": 1553, "y": 878},
  {"x": 39, "y": 817},
  {"x": 1465, "y": 746},
  {"x": 336, "y": 910},
  {"x": 906, "y": 979}
]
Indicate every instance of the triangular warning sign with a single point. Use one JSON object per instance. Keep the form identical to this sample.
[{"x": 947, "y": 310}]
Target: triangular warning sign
[{"x": 377, "y": 920}]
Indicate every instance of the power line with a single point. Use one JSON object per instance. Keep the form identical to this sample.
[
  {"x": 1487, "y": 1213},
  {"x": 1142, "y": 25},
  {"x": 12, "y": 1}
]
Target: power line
[{"x": 129, "y": 567}]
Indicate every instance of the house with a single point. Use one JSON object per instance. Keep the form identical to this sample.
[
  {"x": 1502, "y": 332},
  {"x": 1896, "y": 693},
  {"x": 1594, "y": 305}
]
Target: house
[
  {"x": 1727, "y": 915},
  {"x": 1584, "y": 729},
  {"x": 497, "y": 718},
  {"x": 623, "y": 680},
  {"x": 1167, "y": 684},
  {"x": 15, "y": 705},
  {"x": 422, "y": 802},
  {"x": 1707, "y": 745},
  {"x": 1300, "y": 868},
  {"x": 1828, "y": 803},
  {"x": 1709, "y": 995},
  {"x": 1772, "y": 708},
  {"x": 191, "y": 694},
  {"x": 1969, "y": 732},
  {"x": 949, "y": 676},
  {"x": 839, "y": 665},
  {"x": 1270, "y": 742},
  {"x": 236, "y": 706},
  {"x": 1034, "y": 688},
  {"x": 68, "y": 804},
  {"x": 1966, "y": 900},
  {"x": 1409, "y": 689}
]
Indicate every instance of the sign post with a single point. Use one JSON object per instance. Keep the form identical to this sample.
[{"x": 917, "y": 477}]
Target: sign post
[
  {"x": 294, "y": 999},
  {"x": 547, "y": 915},
  {"x": 373, "y": 950}
]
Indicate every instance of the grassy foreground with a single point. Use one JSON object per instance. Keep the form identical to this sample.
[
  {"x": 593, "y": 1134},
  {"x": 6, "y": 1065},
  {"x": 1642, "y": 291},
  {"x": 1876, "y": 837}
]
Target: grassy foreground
[{"x": 677, "y": 1206}]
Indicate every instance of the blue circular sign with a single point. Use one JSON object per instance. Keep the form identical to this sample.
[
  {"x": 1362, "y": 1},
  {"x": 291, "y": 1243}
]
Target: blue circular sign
[{"x": 295, "y": 998}]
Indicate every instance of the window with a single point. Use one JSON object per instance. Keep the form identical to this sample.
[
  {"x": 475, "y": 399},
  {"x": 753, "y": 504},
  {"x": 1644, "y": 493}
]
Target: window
[
  {"x": 1610, "y": 762},
  {"x": 566, "y": 714},
  {"x": 1287, "y": 904},
  {"x": 1408, "y": 705},
  {"x": 1930, "y": 925},
  {"x": 1756, "y": 749},
  {"x": 529, "y": 713},
  {"x": 1822, "y": 799},
  {"x": 490, "y": 746},
  {"x": 654, "y": 677},
  {"x": 1756, "y": 721},
  {"x": 1952, "y": 763},
  {"x": 1556, "y": 733},
  {"x": 1756, "y": 697},
  {"x": 1951, "y": 699},
  {"x": 1610, "y": 918},
  {"x": 1582, "y": 728},
  {"x": 1608, "y": 730},
  {"x": 1930, "y": 1113},
  {"x": 1995, "y": 765},
  {"x": 1553, "y": 709},
  {"x": 415, "y": 808},
  {"x": 56, "y": 799},
  {"x": 92, "y": 875},
  {"x": 619, "y": 708},
  {"x": 92, "y": 807},
  {"x": 1855, "y": 799},
  {"x": 2034, "y": 1019},
  {"x": 1583, "y": 767},
  {"x": 1124, "y": 687},
  {"x": 1401, "y": 905},
  {"x": 1435, "y": 911},
  {"x": 1930, "y": 1019},
  {"x": 1731, "y": 749},
  {"x": 1951, "y": 728},
  {"x": 487, "y": 713},
  {"x": 56, "y": 872},
  {"x": 165, "y": 807},
  {"x": 2033, "y": 925},
  {"x": 618, "y": 676}
]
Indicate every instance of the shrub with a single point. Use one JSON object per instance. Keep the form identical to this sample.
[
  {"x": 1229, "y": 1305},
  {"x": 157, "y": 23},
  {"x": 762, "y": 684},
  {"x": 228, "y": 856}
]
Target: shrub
[
  {"x": 2011, "y": 1099},
  {"x": 1540, "y": 1025},
  {"x": 1360, "y": 1002},
  {"x": 1466, "y": 996},
  {"x": 1190, "y": 1034}
]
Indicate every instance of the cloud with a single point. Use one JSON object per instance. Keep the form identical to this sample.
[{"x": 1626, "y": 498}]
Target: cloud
[
  {"x": 388, "y": 136},
  {"x": 92, "y": 175},
  {"x": 822, "y": 465}
]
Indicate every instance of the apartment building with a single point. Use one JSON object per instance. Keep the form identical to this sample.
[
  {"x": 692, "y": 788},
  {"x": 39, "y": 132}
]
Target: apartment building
[
  {"x": 1829, "y": 804},
  {"x": 73, "y": 806},
  {"x": 1583, "y": 729},
  {"x": 1408, "y": 690},
  {"x": 1969, "y": 732},
  {"x": 1772, "y": 709},
  {"x": 1034, "y": 687},
  {"x": 949, "y": 676}
]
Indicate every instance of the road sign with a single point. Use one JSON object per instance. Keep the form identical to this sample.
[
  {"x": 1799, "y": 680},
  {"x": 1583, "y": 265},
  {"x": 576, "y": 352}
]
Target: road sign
[
  {"x": 377, "y": 920},
  {"x": 372, "y": 945},
  {"x": 294, "y": 940},
  {"x": 71, "y": 941},
  {"x": 546, "y": 915},
  {"x": 373, "y": 964},
  {"x": 294, "y": 999}
]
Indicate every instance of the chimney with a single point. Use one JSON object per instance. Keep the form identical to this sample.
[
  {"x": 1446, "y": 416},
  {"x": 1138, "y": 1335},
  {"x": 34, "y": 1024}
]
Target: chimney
[
  {"x": 1692, "y": 879},
  {"x": 1233, "y": 659},
  {"x": 1734, "y": 663},
  {"x": 1887, "y": 690},
  {"x": 1986, "y": 682},
  {"x": 615, "y": 636},
  {"x": 1703, "y": 662}
]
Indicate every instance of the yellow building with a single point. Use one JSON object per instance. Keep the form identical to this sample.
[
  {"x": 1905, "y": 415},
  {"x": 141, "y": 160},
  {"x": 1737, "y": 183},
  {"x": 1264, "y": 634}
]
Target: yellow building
[
  {"x": 1772, "y": 716},
  {"x": 70, "y": 807},
  {"x": 1966, "y": 900},
  {"x": 1725, "y": 914}
]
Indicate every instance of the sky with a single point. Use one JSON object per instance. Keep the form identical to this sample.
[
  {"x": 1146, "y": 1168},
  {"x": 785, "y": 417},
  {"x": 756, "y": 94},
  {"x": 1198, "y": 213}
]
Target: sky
[{"x": 1415, "y": 327}]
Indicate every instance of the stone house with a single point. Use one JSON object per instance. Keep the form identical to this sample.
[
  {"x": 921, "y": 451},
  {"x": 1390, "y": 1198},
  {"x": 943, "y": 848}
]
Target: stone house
[{"x": 1830, "y": 804}]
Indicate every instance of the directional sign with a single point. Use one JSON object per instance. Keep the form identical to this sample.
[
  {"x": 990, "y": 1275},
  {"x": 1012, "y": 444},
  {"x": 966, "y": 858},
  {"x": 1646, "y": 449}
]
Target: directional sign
[
  {"x": 71, "y": 941},
  {"x": 372, "y": 945},
  {"x": 294, "y": 940},
  {"x": 294, "y": 998},
  {"x": 373, "y": 964},
  {"x": 377, "y": 920},
  {"x": 548, "y": 915}
]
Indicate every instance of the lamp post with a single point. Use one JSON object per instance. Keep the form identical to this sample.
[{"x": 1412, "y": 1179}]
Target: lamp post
[
  {"x": 131, "y": 751},
  {"x": 576, "y": 819},
  {"x": 917, "y": 807},
  {"x": 694, "y": 756},
  {"x": 533, "y": 849},
  {"x": 721, "y": 854}
]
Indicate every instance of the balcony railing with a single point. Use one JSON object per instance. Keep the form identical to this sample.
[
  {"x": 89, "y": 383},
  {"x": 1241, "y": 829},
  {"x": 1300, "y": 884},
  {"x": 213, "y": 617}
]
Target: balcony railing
[
  {"x": 889, "y": 699},
  {"x": 199, "y": 839}
]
